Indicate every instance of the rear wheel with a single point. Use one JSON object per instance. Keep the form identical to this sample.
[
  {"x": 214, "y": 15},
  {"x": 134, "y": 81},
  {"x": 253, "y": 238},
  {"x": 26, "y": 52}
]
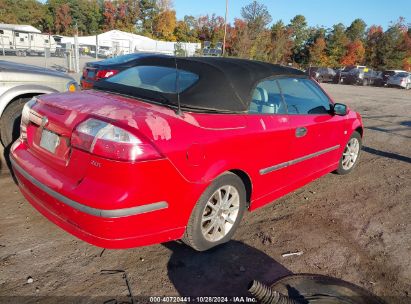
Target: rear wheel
[
  {"x": 10, "y": 121},
  {"x": 349, "y": 158},
  {"x": 217, "y": 213}
]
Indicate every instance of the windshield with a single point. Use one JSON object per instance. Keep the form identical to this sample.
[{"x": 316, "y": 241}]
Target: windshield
[
  {"x": 402, "y": 74},
  {"x": 155, "y": 78},
  {"x": 121, "y": 59}
]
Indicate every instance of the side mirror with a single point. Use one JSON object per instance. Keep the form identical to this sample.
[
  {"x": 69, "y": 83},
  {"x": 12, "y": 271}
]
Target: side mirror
[{"x": 340, "y": 109}]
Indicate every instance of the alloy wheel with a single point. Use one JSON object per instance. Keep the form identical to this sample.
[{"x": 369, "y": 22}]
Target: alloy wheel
[
  {"x": 220, "y": 213},
  {"x": 350, "y": 154}
]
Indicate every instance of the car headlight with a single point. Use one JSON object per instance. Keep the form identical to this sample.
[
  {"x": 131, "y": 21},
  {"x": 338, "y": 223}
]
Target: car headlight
[{"x": 72, "y": 86}]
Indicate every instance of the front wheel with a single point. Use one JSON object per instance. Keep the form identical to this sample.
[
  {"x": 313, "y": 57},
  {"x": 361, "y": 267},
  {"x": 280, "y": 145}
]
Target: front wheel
[
  {"x": 349, "y": 158},
  {"x": 217, "y": 213},
  {"x": 10, "y": 121}
]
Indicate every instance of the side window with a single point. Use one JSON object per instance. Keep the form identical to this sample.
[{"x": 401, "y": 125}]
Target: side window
[
  {"x": 266, "y": 99},
  {"x": 302, "y": 96}
]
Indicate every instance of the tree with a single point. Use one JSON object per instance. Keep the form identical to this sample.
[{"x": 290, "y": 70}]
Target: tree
[
  {"x": 165, "y": 5},
  {"x": 63, "y": 20},
  {"x": 337, "y": 41},
  {"x": 185, "y": 29},
  {"x": 239, "y": 39},
  {"x": 148, "y": 13},
  {"x": 318, "y": 56},
  {"x": 372, "y": 41},
  {"x": 356, "y": 31},
  {"x": 165, "y": 24},
  {"x": 298, "y": 26},
  {"x": 391, "y": 48},
  {"x": 210, "y": 28},
  {"x": 281, "y": 43},
  {"x": 355, "y": 53},
  {"x": 109, "y": 13},
  {"x": 23, "y": 12},
  {"x": 256, "y": 16}
]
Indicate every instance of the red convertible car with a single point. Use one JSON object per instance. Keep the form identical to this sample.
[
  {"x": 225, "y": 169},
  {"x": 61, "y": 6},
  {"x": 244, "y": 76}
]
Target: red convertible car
[{"x": 179, "y": 149}]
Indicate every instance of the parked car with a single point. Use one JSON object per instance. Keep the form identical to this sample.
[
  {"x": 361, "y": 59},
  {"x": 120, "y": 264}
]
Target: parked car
[
  {"x": 385, "y": 75},
  {"x": 94, "y": 71},
  {"x": 321, "y": 74},
  {"x": 105, "y": 53},
  {"x": 361, "y": 76},
  {"x": 341, "y": 74},
  {"x": 179, "y": 149},
  {"x": 18, "y": 84},
  {"x": 401, "y": 80}
]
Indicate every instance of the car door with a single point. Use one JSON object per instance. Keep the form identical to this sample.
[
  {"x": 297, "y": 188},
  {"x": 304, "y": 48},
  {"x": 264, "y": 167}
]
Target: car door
[
  {"x": 316, "y": 133},
  {"x": 269, "y": 138}
]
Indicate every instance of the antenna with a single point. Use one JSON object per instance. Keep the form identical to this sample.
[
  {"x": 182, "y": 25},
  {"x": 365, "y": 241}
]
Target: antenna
[{"x": 178, "y": 112}]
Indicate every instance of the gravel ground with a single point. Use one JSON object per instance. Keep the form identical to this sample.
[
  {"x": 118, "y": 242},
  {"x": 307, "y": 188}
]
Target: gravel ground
[{"x": 355, "y": 227}]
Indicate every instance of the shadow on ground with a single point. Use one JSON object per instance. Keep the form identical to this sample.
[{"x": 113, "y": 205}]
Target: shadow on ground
[
  {"x": 223, "y": 271},
  {"x": 387, "y": 154}
]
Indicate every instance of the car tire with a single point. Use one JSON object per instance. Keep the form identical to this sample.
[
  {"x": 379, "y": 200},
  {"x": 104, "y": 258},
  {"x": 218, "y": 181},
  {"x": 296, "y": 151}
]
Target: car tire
[
  {"x": 212, "y": 215},
  {"x": 10, "y": 121},
  {"x": 351, "y": 154}
]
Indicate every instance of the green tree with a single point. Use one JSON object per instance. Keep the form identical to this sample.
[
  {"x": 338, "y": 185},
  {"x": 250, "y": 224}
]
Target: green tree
[
  {"x": 29, "y": 12},
  {"x": 185, "y": 30},
  {"x": 391, "y": 48},
  {"x": 281, "y": 43},
  {"x": 337, "y": 41},
  {"x": 356, "y": 31},
  {"x": 300, "y": 34},
  {"x": 148, "y": 13}
]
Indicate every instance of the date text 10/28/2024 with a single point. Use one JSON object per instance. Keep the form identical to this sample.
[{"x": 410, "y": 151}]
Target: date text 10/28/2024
[{"x": 170, "y": 299}]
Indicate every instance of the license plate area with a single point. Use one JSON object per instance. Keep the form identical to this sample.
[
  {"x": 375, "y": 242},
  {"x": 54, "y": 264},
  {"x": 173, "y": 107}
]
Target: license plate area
[
  {"x": 49, "y": 140},
  {"x": 91, "y": 74}
]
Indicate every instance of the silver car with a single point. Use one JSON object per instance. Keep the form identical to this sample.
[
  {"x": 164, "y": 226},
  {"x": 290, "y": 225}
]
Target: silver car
[
  {"x": 402, "y": 79},
  {"x": 18, "y": 84}
]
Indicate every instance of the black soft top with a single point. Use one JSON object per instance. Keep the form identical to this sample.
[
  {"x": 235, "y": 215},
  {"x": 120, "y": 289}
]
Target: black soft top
[{"x": 224, "y": 84}]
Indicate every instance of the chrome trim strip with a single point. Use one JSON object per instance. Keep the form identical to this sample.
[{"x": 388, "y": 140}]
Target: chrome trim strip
[
  {"x": 114, "y": 213},
  {"x": 297, "y": 160}
]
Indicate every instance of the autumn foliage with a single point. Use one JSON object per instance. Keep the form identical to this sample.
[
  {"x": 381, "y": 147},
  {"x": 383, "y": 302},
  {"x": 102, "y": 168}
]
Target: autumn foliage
[
  {"x": 354, "y": 54},
  {"x": 251, "y": 35}
]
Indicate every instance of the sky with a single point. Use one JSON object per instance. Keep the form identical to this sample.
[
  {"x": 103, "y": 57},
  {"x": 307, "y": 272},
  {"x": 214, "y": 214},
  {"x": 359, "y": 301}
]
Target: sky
[{"x": 317, "y": 12}]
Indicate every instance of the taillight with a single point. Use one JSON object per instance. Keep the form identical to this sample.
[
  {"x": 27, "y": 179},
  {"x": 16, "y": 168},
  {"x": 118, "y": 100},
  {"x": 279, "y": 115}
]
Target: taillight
[
  {"x": 105, "y": 73},
  {"x": 25, "y": 117},
  {"x": 106, "y": 140}
]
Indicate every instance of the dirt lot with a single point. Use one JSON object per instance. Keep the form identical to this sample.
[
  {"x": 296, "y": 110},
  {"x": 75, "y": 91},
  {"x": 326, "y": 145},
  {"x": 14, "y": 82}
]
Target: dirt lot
[{"x": 354, "y": 227}]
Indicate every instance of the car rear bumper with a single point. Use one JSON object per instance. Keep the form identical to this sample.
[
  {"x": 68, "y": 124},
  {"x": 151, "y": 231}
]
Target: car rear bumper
[{"x": 148, "y": 213}]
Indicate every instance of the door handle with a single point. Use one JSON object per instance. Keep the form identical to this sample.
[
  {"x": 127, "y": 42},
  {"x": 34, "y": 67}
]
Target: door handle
[{"x": 300, "y": 132}]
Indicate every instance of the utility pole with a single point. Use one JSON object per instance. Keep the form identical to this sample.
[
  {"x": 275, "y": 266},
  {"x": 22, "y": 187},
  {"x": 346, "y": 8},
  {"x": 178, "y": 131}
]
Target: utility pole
[
  {"x": 76, "y": 51},
  {"x": 225, "y": 25}
]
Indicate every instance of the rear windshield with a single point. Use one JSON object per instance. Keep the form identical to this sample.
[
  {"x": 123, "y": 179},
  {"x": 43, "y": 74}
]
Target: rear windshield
[
  {"x": 120, "y": 59},
  {"x": 402, "y": 74},
  {"x": 155, "y": 78}
]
